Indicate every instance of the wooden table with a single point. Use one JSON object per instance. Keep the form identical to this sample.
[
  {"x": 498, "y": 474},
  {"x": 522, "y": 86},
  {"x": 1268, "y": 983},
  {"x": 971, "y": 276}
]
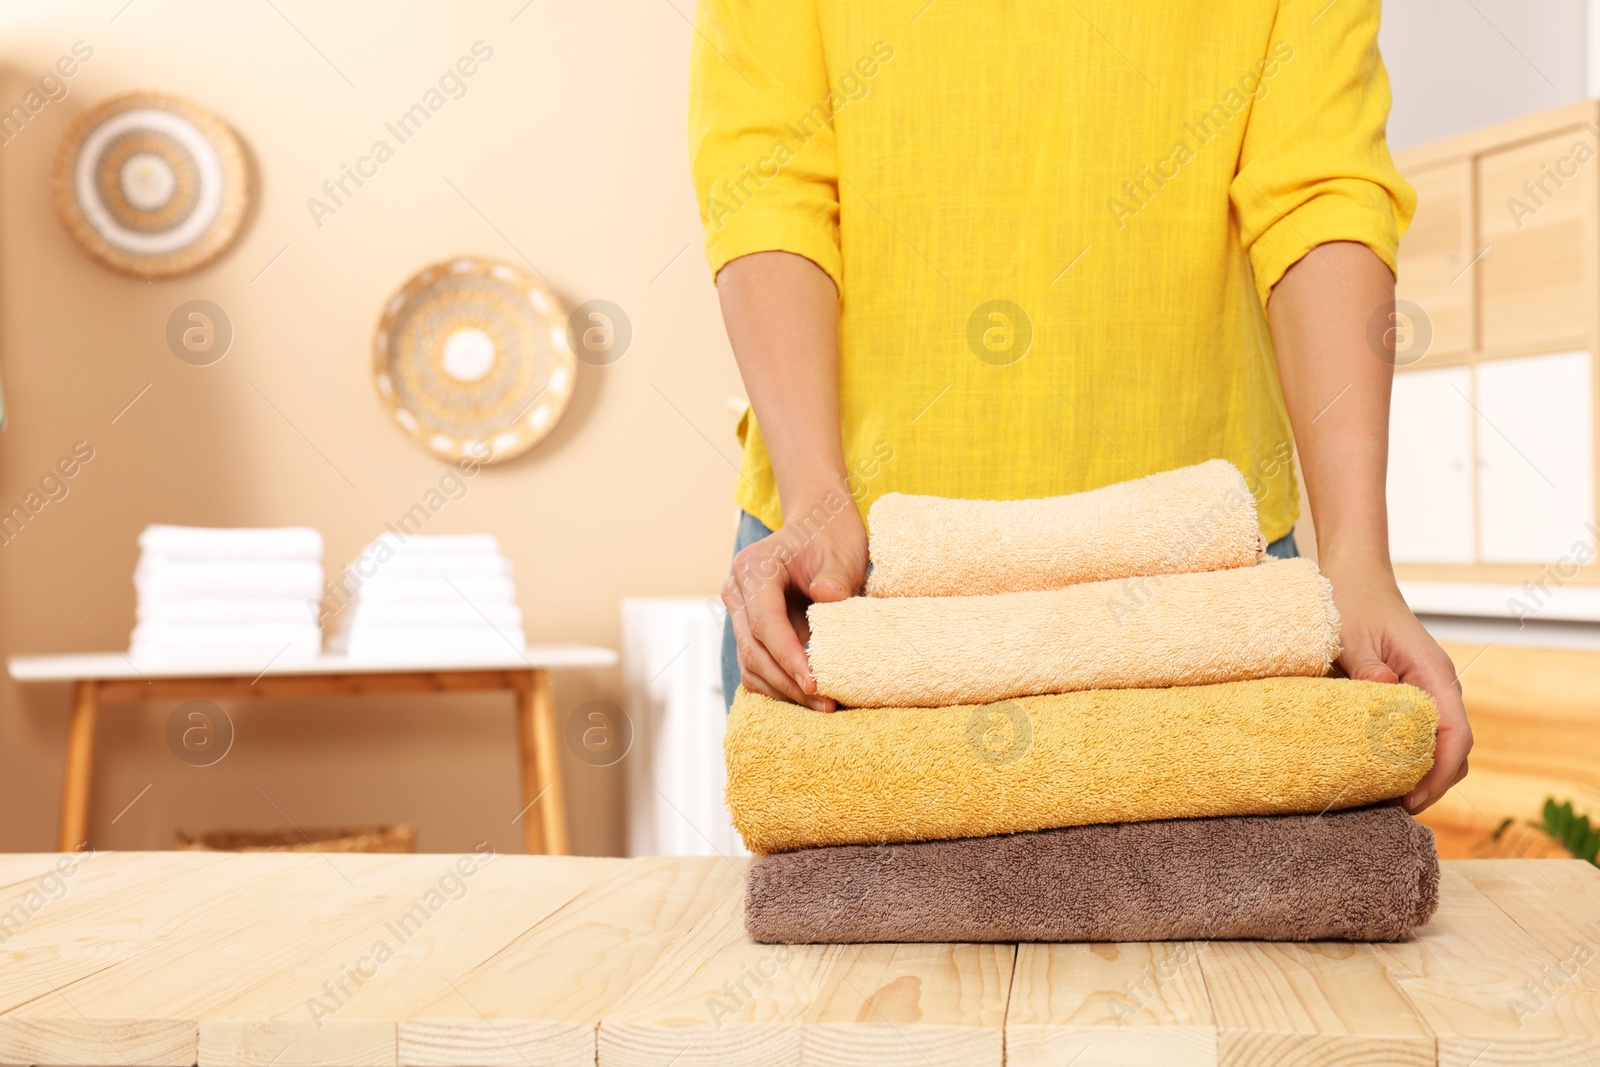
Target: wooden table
[
  {"x": 178, "y": 958},
  {"x": 101, "y": 677}
]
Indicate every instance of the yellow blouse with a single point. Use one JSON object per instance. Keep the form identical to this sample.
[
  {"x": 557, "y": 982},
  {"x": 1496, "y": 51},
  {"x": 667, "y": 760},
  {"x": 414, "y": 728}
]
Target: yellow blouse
[{"x": 1054, "y": 224}]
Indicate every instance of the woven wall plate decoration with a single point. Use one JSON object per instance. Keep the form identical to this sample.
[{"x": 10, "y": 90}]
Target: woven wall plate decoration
[
  {"x": 151, "y": 184},
  {"x": 472, "y": 360}
]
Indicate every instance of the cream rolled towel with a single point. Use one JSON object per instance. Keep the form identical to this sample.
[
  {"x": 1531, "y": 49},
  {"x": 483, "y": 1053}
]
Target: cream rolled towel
[
  {"x": 1199, "y": 518},
  {"x": 1275, "y": 619}
]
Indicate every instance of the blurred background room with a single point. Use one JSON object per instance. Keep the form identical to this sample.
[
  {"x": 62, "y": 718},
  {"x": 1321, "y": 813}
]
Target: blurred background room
[{"x": 538, "y": 148}]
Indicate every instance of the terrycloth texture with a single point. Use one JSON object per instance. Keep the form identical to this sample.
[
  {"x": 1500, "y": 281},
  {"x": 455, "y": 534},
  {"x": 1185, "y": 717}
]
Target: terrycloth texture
[
  {"x": 1199, "y": 518},
  {"x": 1268, "y": 621},
  {"x": 252, "y": 645},
  {"x": 1365, "y": 875},
  {"x": 200, "y": 542},
  {"x": 158, "y": 578},
  {"x": 389, "y": 544},
  {"x": 426, "y": 598},
  {"x": 228, "y": 609},
  {"x": 474, "y": 589},
  {"x": 389, "y": 643},
  {"x": 799, "y": 778},
  {"x": 436, "y": 614},
  {"x": 438, "y": 565}
]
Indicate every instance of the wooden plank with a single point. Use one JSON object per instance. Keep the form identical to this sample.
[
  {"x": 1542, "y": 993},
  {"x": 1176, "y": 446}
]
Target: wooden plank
[
  {"x": 1463, "y": 972},
  {"x": 21, "y": 872},
  {"x": 718, "y": 998},
  {"x": 1557, "y": 903},
  {"x": 534, "y": 1004},
  {"x": 170, "y": 957},
  {"x": 118, "y": 906},
  {"x": 1110, "y": 1005},
  {"x": 1298, "y": 1005},
  {"x": 60, "y": 1014},
  {"x": 341, "y": 1002},
  {"x": 113, "y": 906},
  {"x": 129, "y": 1042},
  {"x": 279, "y": 940}
]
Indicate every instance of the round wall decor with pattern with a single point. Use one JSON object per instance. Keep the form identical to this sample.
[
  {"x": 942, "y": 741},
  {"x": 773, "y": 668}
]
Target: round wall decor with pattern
[
  {"x": 151, "y": 184},
  {"x": 472, "y": 359}
]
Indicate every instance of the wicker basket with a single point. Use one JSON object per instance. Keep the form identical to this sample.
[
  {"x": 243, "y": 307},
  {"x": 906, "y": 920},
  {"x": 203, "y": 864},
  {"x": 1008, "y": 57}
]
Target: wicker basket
[{"x": 398, "y": 838}]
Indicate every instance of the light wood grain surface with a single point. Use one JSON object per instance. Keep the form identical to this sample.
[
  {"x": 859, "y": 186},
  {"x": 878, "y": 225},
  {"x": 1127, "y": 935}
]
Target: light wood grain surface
[{"x": 531, "y": 961}]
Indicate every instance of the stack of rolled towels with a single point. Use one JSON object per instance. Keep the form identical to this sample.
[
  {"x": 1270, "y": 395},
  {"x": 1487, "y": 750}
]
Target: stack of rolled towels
[
  {"x": 435, "y": 597},
  {"x": 227, "y": 596},
  {"x": 1098, "y": 717}
]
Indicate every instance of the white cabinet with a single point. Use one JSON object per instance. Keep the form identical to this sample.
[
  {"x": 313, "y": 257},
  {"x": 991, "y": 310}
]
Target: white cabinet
[
  {"x": 1430, "y": 467},
  {"x": 1535, "y": 457},
  {"x": 1492, "y": 462}
]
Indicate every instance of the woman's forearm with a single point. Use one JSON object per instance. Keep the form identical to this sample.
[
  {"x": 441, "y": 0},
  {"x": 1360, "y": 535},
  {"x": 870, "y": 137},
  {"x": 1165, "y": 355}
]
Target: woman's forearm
[
  {"x": 1337, "y": 391},
  {"x": 782, "y": 316},
  {"x": 1329, "y": 314}
]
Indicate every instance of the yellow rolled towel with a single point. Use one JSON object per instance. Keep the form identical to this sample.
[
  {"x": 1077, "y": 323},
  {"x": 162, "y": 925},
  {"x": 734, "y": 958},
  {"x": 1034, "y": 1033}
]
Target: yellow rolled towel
[
  {"x": 799, "y": 778},
  {"x": 1199, "y": 518},
  {"x": 1271, "y": 620}
]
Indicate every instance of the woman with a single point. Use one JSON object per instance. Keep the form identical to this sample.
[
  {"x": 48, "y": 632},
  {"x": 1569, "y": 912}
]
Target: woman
[{"x": 1019, "y": 249}]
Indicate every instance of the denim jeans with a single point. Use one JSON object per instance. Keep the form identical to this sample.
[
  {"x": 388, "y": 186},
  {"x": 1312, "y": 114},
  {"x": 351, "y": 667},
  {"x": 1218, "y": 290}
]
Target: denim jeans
[{"x": 752, "y": 529}]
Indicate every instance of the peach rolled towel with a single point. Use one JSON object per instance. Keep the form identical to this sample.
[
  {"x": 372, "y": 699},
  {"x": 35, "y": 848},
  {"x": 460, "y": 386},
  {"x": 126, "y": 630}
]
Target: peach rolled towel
[
  {"x": 798, "y": 778},
  {"x": 1365, "y": 875},
  {"x": 1199, "y": 518},
  {"x": 1272, "y": 620}
]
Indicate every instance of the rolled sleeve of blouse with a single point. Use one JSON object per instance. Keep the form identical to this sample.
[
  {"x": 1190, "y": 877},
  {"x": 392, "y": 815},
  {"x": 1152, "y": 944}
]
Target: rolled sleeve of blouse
[
  {"x": 1314, "y": 165},
  {"x": 761, "y": 143}
]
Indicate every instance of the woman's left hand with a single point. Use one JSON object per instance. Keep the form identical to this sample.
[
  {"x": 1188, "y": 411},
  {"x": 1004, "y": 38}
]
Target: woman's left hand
[{"x": 1384, "y": 642}]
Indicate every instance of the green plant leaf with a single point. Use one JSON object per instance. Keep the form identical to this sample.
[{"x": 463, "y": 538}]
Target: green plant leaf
[{"x": 1575, "y": 832}]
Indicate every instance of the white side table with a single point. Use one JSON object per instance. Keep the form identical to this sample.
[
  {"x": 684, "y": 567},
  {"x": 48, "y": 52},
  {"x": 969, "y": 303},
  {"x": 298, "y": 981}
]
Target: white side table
[{"x": 111, "y": 676}]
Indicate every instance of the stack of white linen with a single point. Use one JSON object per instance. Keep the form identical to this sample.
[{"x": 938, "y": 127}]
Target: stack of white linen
[
  {"x": 447, "y": 597},
  {"x": 237, "y": 596}
]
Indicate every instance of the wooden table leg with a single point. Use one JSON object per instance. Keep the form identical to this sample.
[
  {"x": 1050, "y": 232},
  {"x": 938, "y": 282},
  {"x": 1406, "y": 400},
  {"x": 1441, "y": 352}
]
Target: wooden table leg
[
  {"x": 74, "y": 828},
  {"x": 539, "y": 744}
]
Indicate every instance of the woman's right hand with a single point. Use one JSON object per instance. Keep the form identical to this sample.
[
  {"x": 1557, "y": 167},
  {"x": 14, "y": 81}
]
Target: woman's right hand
[{"x": 819, "y": 555}]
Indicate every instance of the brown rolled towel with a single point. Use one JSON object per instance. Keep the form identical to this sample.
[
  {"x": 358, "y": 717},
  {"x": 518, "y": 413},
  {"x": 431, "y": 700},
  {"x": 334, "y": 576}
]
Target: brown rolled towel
[
  {"x": 1199, "y": 518},
  {"x": 1368, "y": 874},
  {"x": 1274, "y": 620}
]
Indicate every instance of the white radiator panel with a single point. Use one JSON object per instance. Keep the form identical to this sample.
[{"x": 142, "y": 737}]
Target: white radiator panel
[{"x": 671, "y": 663}]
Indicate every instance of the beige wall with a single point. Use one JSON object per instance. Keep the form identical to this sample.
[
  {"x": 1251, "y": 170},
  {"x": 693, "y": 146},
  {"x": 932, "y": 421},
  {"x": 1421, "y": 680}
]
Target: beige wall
[{"x": 569, "y": 145}]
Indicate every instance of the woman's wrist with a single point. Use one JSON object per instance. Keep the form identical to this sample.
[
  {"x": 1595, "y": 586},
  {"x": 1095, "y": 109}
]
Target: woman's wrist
[
  {"x": 1365, "y": 561},
  {"x": 820, "y": 487}
]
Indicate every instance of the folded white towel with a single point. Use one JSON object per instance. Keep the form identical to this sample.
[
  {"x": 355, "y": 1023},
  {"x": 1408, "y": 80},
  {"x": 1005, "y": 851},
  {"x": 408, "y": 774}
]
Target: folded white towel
[
  {"x": 158, "y": 578},
  {"x": 229, "y": 609},
  {"x": 456, "y": 636},
  {"x": 200, "y": 542},
  {"x": 441, "y": 614},
  {"x": 247, "y": 645},
  {"x": 368, "y": 569},
  {"x": 225, "y": 632},
  {"x": 437, "y": 544},
  {"x": 409, "y": 591},
  {"x": 464, "y": 644}
]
